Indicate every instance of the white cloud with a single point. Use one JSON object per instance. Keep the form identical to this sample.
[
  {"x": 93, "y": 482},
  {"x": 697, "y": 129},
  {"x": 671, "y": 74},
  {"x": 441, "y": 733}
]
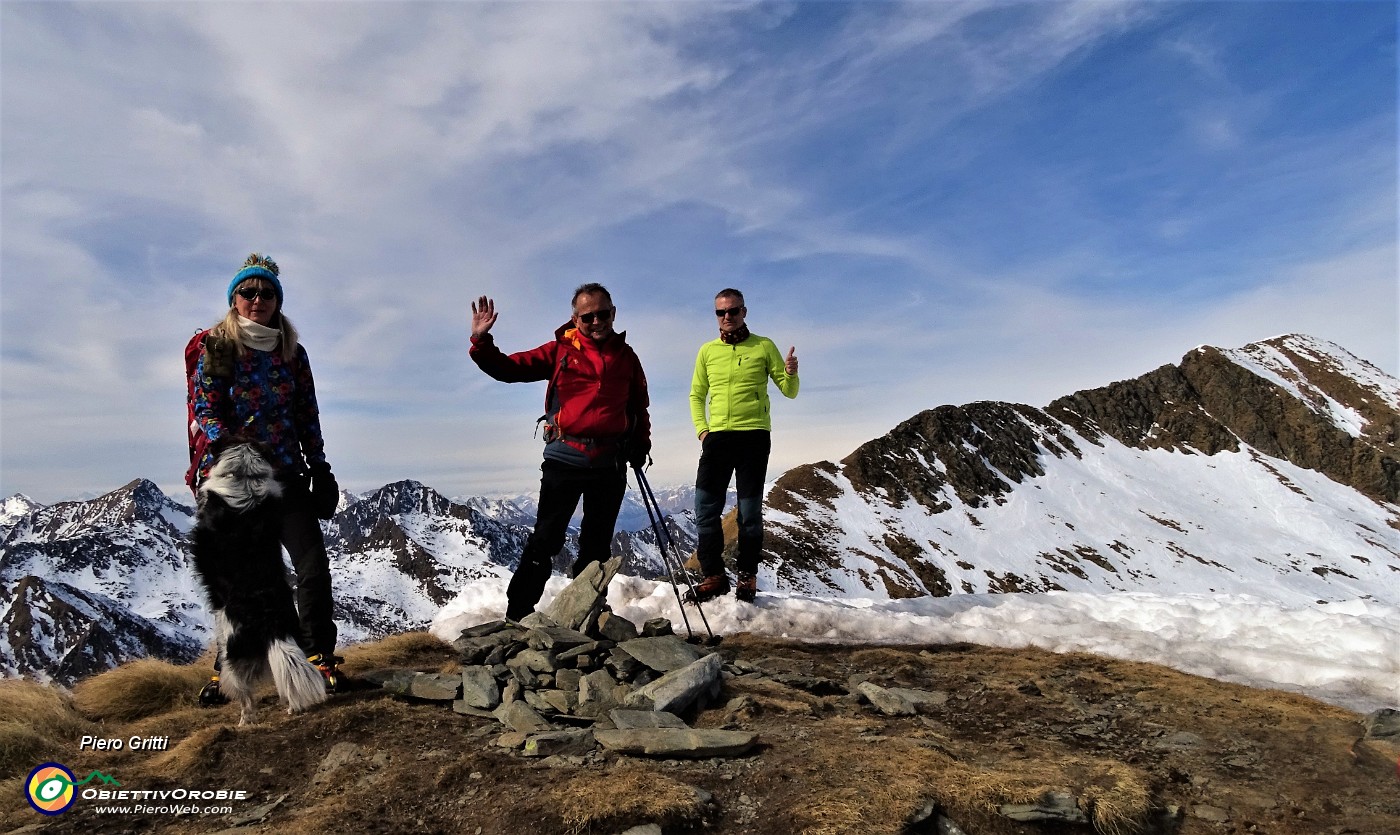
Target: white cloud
[{"x": 400, "y": 159}]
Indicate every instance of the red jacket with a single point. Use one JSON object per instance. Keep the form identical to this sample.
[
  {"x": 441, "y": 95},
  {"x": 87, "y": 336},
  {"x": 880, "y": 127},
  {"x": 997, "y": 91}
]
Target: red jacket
[{"x": 597, "y": 396}]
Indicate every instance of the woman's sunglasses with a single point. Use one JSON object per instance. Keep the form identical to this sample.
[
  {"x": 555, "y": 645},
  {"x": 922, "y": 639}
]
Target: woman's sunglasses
[
  {"x": 601, "y": 315},
  {"x": 266, "y": 294}
]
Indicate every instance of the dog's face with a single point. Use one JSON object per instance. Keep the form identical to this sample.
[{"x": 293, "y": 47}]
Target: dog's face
[{"x": 242, "y": 475}]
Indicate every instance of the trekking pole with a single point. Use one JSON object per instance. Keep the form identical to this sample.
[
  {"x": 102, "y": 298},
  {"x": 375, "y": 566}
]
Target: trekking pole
[
  {"x": 656, "y": 525},
  {"x": 665, "y": 542}
]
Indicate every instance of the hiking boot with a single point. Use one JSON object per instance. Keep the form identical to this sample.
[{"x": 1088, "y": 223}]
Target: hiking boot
[
  {"x": 335, "y": 679},
  {"x": 711, "y": 587},
  {"x": 211, "y": 695},
  {"x": 747, "y": 588}
]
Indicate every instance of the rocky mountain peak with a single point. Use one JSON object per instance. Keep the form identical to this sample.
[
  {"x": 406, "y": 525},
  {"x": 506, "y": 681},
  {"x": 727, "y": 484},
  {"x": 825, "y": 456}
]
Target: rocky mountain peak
[
  {"x": 1236, "y": 468},
  {"x": 407, "y": 496},
  {"x": 1293, "y": 397},
  {"x": 15, "y": 508},
  {"x": 1351, "y": 392}
]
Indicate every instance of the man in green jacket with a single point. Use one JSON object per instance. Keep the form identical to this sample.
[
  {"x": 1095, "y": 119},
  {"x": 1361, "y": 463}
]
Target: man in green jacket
[{"x": 731, "y": 377}]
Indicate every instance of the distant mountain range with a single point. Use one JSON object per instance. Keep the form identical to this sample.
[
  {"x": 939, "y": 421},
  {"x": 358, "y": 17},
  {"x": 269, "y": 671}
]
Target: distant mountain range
[
  {"x": 1271, "y": 470},
  {"x": 89, "y": 584}
]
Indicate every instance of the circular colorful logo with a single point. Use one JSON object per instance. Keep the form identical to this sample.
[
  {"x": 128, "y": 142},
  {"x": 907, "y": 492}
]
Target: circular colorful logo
[{"x": 50, "y": 789}]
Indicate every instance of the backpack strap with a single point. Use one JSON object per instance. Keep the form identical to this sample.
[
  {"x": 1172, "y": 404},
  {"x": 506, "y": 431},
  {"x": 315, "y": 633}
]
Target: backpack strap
[{"x": 551, "y": 401}]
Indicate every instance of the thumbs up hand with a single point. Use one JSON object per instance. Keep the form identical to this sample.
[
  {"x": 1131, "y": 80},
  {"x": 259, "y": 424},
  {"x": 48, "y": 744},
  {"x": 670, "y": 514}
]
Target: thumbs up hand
[{"x": 790, "y": 361}]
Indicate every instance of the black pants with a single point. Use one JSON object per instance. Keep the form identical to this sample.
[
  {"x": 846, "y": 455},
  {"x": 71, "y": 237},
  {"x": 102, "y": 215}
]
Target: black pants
[
  {"x": 744, "y": 456},
  {"x": 561, "y": 487},
  {"x": 301, "y": 536}
]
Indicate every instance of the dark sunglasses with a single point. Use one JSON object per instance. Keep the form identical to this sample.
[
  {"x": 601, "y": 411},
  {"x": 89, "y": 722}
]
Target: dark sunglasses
[
  {"x": 601, "y": 316},
  {"x": 722, "y": 312},
  {"x": 267, "y": 294}
]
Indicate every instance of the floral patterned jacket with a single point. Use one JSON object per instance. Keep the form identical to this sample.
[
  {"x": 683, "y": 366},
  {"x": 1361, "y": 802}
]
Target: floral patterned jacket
[{"x": 264, "y": 397}]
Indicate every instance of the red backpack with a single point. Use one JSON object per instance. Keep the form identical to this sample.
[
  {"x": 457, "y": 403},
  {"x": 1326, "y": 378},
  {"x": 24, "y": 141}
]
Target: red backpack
[{"x": 199, "y": 442}]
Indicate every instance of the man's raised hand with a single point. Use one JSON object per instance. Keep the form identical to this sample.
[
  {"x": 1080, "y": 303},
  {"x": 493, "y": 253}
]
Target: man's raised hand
[{"x": 483, "y": 317}]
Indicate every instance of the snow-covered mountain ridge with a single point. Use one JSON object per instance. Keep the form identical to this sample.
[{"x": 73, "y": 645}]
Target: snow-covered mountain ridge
[{"x": 1269, "y": 470}]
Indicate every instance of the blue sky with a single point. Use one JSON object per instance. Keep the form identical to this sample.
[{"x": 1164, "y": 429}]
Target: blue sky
[{"x": 934, "y": 202}]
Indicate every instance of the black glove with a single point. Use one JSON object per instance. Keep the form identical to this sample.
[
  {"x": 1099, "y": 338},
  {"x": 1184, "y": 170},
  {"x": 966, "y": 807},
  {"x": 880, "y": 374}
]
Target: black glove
[
  {"x": 638, "y": 455},
  {"x": 325, "y": 493}
]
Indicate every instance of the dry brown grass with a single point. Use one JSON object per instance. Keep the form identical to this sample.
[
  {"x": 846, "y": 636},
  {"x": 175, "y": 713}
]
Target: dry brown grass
[
  {"x": 624, "y": 797},
  {"x": 139, "y": 689},
  {"x": 36, "y": 722},
  {"x": 193, "y": 755},
  {"x": 860, "y": 785},
  {"x": 875, "y": 785},
  {"x": 149, "y": 688},
  {"x": 1117, "y": 797},
  {"x": 406, "y": 649}
]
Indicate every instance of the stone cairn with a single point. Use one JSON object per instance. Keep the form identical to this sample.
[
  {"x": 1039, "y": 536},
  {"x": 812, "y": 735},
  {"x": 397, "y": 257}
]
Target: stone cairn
[{"x": 576, "y": 677}]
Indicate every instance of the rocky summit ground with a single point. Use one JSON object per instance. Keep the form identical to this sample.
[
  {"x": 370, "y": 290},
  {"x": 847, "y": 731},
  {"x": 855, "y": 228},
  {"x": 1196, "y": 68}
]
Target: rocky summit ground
[{"x": 1110, "y": 746}]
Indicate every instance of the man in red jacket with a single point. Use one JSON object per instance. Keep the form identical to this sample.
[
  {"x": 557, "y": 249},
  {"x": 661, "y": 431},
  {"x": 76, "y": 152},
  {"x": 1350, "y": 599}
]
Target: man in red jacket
[{"x": 596, "y": 423}]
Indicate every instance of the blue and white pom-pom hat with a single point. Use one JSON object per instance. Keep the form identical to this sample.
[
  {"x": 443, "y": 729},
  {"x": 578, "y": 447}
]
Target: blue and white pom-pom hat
[{"x": 257, "y": 266}]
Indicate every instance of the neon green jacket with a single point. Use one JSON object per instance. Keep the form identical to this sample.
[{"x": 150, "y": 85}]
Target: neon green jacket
[{"x": 734, "y": 380}]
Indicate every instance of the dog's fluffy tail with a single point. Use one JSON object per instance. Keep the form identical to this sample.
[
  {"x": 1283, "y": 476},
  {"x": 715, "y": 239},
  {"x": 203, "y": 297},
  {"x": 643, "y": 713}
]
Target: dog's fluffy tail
[{"x": 297, "y": 680}]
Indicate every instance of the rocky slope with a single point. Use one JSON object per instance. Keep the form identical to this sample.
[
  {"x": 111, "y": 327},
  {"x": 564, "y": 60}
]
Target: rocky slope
[
  {"x": 1273, "y": 469},
  {"x": 66, "y": 634}
]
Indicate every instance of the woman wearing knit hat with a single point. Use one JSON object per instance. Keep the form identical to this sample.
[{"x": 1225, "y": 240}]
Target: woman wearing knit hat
[{"x": 254, "y": 379}]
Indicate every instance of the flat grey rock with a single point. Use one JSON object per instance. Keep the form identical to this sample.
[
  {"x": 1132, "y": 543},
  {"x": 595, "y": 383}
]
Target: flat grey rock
[
  {"x": 481, "y": 630},
  {"x": 597, "y": 686},
  {"x": 888, "y": 703},
  {"x": 657, "y": 626},
  {"x": 583, "y": 649},
  {"x": 569, "y": 679},
  {"x": 340, "y": 755},
  {"x": 555, "y": 638},
  {"x": 616, "y": 628},
  {"x": 573, "y": 606},
  {"x": 519, "y": 716},
  {"x": 1054, "y": 806},
  {"x": 534, "y": 659},
  {"x": 480, "y": 688},
  {"x": 920, "y": 698},
  {"x": 679, "y": 689},
  {"x": 394, "y": 680},
  {"x": 636, "y": 720},
  {"x": 465, "y": 709},
  {"x": 672, "y": 743},
  {"x": 662, "y": 653},
  {"x": 435, "y": 687},
  {"x": 559, "y": 743}
]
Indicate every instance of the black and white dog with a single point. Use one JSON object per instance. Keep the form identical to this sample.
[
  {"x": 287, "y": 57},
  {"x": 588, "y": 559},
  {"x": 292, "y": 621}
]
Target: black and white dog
[{"x": 238, "y": 557}]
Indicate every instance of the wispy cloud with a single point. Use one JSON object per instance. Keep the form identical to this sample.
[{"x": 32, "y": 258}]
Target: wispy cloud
[{"x": 935, "y": 202}]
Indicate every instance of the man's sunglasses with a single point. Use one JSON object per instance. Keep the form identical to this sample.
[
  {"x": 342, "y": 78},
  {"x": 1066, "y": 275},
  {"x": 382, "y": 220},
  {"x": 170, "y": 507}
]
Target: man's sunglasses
[
  {"x": 722, "y": 312},
  {"x": 267, "y": 294},
  {"x": 601, "y": 316}
]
